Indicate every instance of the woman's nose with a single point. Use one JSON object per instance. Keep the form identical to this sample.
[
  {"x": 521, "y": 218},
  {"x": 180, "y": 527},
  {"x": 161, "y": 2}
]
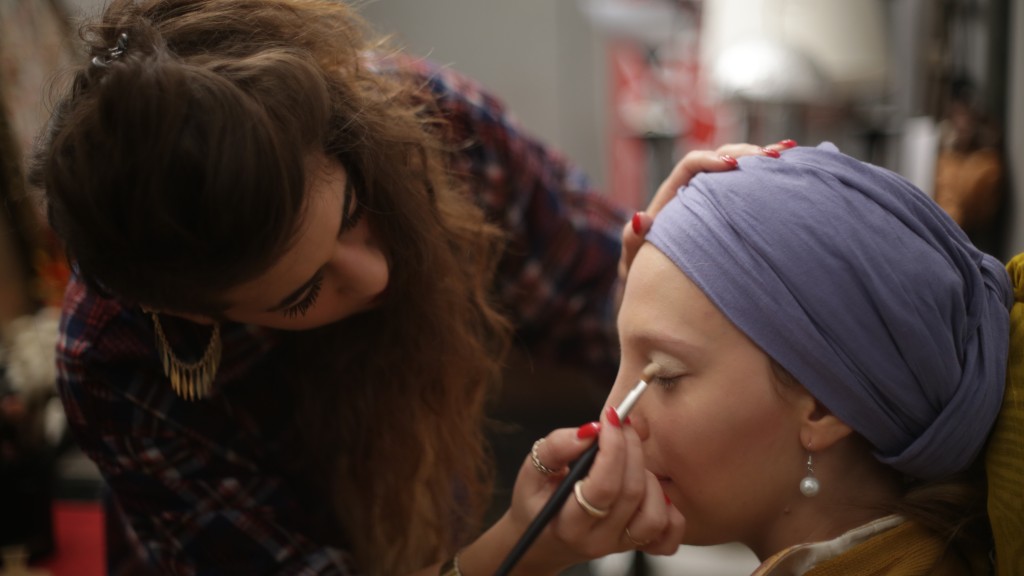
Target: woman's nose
[{"x": 638, "y": 420}]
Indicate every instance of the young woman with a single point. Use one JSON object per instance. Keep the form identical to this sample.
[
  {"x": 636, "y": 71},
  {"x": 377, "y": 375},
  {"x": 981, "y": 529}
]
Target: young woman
[
  {"x": 829, "y": 354},
  {"x": 298, "y": 260}
]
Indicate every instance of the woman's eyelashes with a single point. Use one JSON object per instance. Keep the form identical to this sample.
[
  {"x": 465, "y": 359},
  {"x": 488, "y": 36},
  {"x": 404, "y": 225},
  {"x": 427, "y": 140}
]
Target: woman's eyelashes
[
  {"x": 665, "y": 371},
  {"x": 666, "y": 382},
  {"x": 302, "y": 306}
]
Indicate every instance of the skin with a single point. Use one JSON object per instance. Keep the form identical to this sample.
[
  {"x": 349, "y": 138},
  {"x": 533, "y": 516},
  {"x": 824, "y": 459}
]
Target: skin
[
  {"x": 345, "y": 252},
  {"x": 355, "y": 275},
  {"x": 728, "y": 441},
  {"x": 729, "y": 469}
]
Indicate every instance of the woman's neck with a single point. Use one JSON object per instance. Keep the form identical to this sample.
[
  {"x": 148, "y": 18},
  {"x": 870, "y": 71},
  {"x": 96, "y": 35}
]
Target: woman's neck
[{"x": 853, "y": 493}]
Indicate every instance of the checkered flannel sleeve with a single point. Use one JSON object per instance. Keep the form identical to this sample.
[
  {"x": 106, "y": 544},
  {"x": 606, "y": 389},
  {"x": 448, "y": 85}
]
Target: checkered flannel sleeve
[{"x": 558, "y": 278}]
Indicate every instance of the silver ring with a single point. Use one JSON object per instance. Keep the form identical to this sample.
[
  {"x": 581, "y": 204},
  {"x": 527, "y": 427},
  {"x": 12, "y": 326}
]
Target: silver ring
[
  {"x": 536, "y": 460},
  {"x": 589, "y": 508}
]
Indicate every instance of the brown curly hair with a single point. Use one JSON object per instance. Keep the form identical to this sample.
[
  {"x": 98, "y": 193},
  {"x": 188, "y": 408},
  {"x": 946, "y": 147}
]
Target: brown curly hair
[{"x": 176, "y": 171}]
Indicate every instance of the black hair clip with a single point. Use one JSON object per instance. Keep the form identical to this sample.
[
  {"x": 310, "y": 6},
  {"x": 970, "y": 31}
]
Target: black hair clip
[{"x": 112, "y": 53}]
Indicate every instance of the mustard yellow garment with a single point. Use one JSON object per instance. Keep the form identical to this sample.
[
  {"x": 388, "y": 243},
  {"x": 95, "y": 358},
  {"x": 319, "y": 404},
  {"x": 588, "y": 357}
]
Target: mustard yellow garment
[
  {"x": 1004, "y": 457},
  {"x": 906, "y": 550}
]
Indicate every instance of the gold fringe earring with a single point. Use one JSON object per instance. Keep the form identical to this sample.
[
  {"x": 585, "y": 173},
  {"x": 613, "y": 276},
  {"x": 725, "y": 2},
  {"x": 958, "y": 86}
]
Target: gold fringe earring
[{"x": 190, "y": 380}]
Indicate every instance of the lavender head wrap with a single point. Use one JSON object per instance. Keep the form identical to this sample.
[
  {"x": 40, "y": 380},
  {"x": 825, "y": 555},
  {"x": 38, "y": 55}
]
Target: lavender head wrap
[{"x": 861, "y": 287}]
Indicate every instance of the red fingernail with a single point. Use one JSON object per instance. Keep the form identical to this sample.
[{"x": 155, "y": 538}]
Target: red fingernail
[
  {"x": 588, "y": 430},
  {"x": 667, "y": 499},
  {"x": 627, "y": 421},
  {"x": 729, "y": 160},
  {"x": 613, "y": 417},
  {"x": 770, "y": 153},
  {"x": 638, "y": 224},
  {"x": 787, "y": 143}
]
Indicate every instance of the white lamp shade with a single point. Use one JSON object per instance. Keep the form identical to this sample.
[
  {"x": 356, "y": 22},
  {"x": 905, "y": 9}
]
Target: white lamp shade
[
  {"x": 765, "y": 71},
  {"x": 777, "y": 49}
]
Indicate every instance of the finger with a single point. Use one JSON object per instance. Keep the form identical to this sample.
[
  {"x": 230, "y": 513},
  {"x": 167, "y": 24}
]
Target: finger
[
  {"x": 650, "y": 523},
  {"x": 634, "y": 477},
  {"x": 741, "y": 149},
  {"x": 634, "y": 231},
  {"x": 723, "y": 158},
  {"x": 672, "y": 534},
  {"x": 718, "y": 160},
  {"x": 634, "y": 506},
  {"x": 565, "y": 445},
  {"x": 553, "y": 452},
  {"x": 601, "y": 488},
  {"x": 533, "y": 488},
  {"x": 693, "y": 163},
  {"x": 633, "y": 486},
  {"x": 782, "y": 145}
]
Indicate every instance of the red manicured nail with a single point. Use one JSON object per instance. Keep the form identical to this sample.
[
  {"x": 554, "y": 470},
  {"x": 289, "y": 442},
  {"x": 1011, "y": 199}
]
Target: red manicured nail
[
  {"x": 667, "y": 499},
  {"x": 627, "y": 421},
  {"x": 787, "y": 143},
  {"x": 613, "y": 417},
  {"x": 770, "y": 153},
  {"x": 588, "y": 430},
  {"x": 729, "y": 160},
  {"x": 638, "y": 224}
]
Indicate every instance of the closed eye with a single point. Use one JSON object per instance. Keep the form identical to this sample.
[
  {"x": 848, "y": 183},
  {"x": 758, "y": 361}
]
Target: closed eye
[
  {"x": 666, "y": 382},
  {"x": 302, "y": 306}
]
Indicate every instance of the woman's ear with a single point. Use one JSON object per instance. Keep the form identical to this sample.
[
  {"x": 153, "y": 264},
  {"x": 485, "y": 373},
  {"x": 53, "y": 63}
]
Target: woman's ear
[{"x": 819, "y": 427}]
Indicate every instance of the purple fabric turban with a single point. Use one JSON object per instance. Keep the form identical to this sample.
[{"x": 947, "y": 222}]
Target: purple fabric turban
[{"x": 861, "y": 287}]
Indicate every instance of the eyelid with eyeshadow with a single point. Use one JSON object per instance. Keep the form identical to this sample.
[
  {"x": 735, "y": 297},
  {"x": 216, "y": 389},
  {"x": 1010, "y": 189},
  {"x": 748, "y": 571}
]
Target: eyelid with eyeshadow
[
  {"x": 665, "y": 377},
  {"x": 666, "y": 382}
]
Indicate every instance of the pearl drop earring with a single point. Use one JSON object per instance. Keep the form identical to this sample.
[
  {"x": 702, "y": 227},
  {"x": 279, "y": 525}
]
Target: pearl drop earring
[{"x": 809, "y": 486}]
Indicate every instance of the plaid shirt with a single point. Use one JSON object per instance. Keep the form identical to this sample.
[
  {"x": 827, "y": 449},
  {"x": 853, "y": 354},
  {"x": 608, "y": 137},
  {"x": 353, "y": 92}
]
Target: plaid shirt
[{"x": 198, "y": 483}]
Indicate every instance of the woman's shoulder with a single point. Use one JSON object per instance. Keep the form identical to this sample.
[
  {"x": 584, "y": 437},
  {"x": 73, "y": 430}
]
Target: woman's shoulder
[
  {"x": 891, "y": 546},
  {"x": 92, "y": 324}
]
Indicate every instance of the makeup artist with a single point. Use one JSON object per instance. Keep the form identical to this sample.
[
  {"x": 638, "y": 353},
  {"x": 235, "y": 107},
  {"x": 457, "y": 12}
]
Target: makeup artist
[{"x": 299, "y": 259}]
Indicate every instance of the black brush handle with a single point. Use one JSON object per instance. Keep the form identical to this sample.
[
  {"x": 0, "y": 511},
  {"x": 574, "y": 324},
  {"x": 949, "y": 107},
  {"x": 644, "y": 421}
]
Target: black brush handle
[{"x": 577, "y": 471}]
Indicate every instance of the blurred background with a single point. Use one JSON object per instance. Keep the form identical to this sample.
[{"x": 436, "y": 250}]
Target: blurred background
[
  {"x": 933, "y": 89},
  {"x": 626, "y": 87}
]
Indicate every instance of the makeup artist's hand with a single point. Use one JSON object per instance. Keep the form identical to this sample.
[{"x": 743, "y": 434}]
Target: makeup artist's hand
[
  {"x": 618, "y": 483},
  {"x": 720, "y": 160}
]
